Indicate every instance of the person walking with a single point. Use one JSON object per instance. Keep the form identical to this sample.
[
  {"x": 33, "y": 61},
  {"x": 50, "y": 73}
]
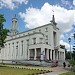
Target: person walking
[
  {"x": 64, "y": 64},
  {"x": 56, "y": 63}
]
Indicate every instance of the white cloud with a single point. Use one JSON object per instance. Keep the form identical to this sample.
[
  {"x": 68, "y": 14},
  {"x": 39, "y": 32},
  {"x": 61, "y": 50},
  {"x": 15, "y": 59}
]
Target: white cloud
[
  {"x": 73, "y": 2},
  {"x": 36, "y": 17},
  {"x": 11, "y": 3},
  {"x": 67, "y": 46}
]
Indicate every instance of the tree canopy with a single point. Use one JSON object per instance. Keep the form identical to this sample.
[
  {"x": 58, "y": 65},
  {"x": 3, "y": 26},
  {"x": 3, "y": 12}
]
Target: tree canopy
[{"x": 3, "y": 31}]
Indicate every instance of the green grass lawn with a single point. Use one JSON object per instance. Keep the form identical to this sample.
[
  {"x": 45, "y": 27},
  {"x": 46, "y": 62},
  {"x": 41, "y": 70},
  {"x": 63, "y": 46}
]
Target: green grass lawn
[
  {"x": 16, "y": 71},
  {"x": 68, "y": 73}
]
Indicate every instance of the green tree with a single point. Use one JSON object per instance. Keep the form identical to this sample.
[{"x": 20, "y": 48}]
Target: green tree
[
  {"x": 73, "y": 54},
  {"x": 3, "y": 31},
  {"x": 68, "y": 55}
]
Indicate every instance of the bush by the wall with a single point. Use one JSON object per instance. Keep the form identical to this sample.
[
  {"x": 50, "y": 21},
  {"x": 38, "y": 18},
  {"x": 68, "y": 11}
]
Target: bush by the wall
[{"x": 72, "y": 62}]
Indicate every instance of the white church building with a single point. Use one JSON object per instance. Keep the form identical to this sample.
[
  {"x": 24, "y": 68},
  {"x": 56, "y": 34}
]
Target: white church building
[{"x": 41, "y": 43}]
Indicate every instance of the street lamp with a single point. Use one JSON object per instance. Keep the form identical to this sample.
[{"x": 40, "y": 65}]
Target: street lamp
[{"x": 69, "y": 39}]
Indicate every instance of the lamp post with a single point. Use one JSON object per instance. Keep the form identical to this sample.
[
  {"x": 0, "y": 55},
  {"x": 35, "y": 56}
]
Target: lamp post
[{"x": 69, "y": 39}]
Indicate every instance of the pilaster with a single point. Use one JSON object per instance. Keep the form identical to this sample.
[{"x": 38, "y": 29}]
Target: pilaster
[{"x": 35, "y": 54}]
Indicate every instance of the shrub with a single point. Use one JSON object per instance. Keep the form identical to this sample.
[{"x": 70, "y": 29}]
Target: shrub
[
  {"x": 72, "y": 62},
  {"x": 68, "y": 65}
]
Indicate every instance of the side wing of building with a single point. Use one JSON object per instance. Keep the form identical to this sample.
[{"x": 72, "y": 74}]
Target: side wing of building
[{"x": 35, "y": 44}]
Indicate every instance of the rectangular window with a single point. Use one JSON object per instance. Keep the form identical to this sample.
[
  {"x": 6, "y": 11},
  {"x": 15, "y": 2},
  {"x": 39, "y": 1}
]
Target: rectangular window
[
  {"x": 23, "y": 34},
  {"x": 27, "y": 41},
  {"x": 39, "y": 30},
  {"x": 46, "y": 42},
  {"x": 46, "y": 29},
  {"x": 34, "y": 31},
  {"x": 34, "y": 40},
  {"x": 46, "y": 37},
  {"x": 28, "y": 33},
  {"x": 9, "y": 44},
  {"x": 41, "y": 40}
]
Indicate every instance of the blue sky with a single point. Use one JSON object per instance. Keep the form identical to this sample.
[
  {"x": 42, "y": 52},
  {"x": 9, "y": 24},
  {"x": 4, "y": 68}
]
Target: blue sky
[
  {"x": 33, "y": 13},
  {"x": 9, "y": 12}
]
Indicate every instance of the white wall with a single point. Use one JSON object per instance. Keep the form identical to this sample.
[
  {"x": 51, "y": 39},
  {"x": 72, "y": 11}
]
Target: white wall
[{"x": 34, "y": 33}]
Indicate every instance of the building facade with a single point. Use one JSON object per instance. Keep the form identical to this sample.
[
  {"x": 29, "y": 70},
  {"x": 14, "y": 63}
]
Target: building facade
[{"x": 40, "y": 43}]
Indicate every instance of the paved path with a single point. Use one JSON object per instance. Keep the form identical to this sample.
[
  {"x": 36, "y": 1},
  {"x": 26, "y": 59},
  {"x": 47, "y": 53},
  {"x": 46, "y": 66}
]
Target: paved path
[{"x": 56, "y": 71}]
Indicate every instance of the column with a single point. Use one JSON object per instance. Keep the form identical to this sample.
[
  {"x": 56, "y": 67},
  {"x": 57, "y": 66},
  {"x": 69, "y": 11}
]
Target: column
[
  {"x": 48, "y": 54},
  {"x": 42, "y": 53},
  {"x": 60, "y": 55},
  {"x": 51, "y": 54},
  {"x": 28, "y": 55},
  {"x": 57, "y": 55},
  {"x": 35, "y": 54},
  {"x": 64, "y": 55},
  {"x": 14, "y": 51},
  {"x": 54, "y": 55}
]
